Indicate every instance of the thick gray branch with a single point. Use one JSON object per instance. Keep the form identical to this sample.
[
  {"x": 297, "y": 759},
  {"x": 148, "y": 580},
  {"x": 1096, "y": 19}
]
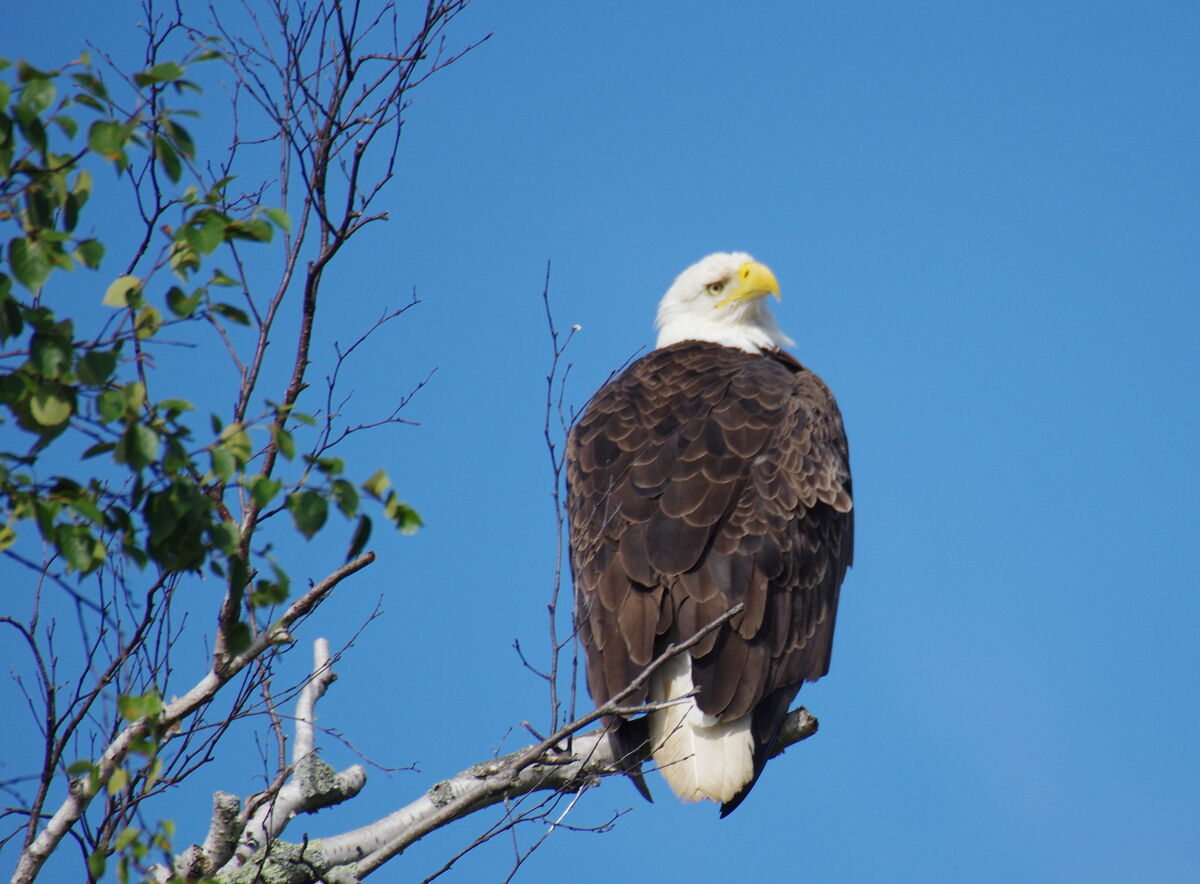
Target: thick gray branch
[
  {"x": 313, "y": 783},
  {"x": 567, "y": 761},
  {"x": 198, "y": 861},
  {"x": 357, "y": 853}
]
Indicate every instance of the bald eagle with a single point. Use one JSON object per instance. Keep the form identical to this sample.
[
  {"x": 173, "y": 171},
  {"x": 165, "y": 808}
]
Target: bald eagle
[{"x": 713, "y": 471}]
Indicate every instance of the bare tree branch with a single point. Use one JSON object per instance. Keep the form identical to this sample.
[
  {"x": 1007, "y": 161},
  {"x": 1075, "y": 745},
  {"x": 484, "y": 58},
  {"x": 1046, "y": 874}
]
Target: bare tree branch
[
  {"x": 544, "y": 766},
  {"x": 490, "y": 782},
  {"x": 313, "y": 783},
  {"x": 202, "y": 693}
]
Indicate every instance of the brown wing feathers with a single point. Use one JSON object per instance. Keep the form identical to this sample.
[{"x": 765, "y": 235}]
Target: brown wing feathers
[{"x": 702, "y": 477}]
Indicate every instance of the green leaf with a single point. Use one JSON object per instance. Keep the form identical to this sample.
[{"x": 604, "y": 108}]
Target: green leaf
[
  {"x": 87, "y": 508},
  {"x": 40, "y": 212},
  {"x": 89, "y": 252},
  {"x": 51, "y": 353},
  {"x": 69, "y": 126},
  {"x": 71, "y": 217},
  {"x": 178, "y": 518},
  {"x": 281, "y": 219},
  {"x": 83, "y": 186},
  {"x": 28, "y": 263},
  {"x": 119, "y": 292},
  {"x": 127, "y": 836},
  {"x": 184, "y": 259},
  {"x": 404, "y": 516},
  {"x": 285, "y": 443},
  {"x": 107, "y": 138},
  {"x": 281, "y": 577},
  {"x": 111, "y": 405},
  {"x": 216, "y": 193},
  {"x": 11, "y": 321},
  {"x": 118, "y": 781},
  {"x": 309, "y": 511},
  {"x": 135, "y": 554},
  {"x": 46, "y": 511},
  {"x": 92, "y": 84},
  {"x": 138, "y": 446},
  {"x": 175, "y": 407},
  {"x": 77, "y": 199},
  {"x": 96, "y": 367},
  {"x": 130, "y": 707},
  {"x": 377, "y": 484},
  {"x": 346, "y": 495},
  {"x": 176, "y": 458},
  {"x": 49, "y": 407},
  {"x": 263, "y": 489},
  {"x": 31, "y": 127},
  {"x": 79, "y": 767},
  {"x": 330, "y": 466},
  {"x": 237, "y": 443},
  {"x": 147, "y": 705},
  {"x": 98, "y": 448},
  {"x": 14, "y": 389},
  {"x": 65, "y": 488},
  {"x": 183, "y": 141},
  {"x": 154, "y": 706},
  {"x": 27, "y": 72},
  {"x": 153, "y": 775},
  {"x": 205, "y": 231},
  {"x": 182, "y": 305},
  {"x": 362, "y": 533},
  {"x": 88, "y": 101},
  {"x": 37, "y": 95},
  {"x": 255, "y": 230},
  {"x": 168, "y": 158},
  {"x": 73, "y": 542},
  {"x": 232, "y": 313},
  {"x": 237, "y": 638},
  {"x": 239, "y": 576},
  {"x": 225, "y": 536},
  {"x": 135, "y": 396},
  {"x": 96, "y": 863},
  {"x": 148, "y": 321},
  {"x": 268, "y": 593},
  {"x": 160, "y": 73},
  {"x": 223, "y": 464}
]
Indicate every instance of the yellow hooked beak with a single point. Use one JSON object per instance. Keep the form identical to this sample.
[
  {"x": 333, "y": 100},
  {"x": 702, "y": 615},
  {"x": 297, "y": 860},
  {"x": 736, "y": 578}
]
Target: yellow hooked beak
[{"x": 754, "y": 281}]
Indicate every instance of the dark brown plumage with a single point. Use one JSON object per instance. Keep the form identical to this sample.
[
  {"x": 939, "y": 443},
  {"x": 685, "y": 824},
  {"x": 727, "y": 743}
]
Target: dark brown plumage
[{"x": 701, "y": 477}]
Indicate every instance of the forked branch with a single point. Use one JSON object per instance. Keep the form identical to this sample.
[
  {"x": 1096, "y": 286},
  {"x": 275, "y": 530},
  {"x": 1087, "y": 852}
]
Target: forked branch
[
  {"x": 568, "y": 761},
  {"x": 202, "y": 693}
]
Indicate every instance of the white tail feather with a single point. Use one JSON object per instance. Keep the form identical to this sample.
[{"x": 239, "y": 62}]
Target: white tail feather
[{"x": 699, "y": 756}]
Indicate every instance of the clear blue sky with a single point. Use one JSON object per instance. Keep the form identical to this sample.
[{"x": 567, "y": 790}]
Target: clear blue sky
[{"x": 985, "y": 220}]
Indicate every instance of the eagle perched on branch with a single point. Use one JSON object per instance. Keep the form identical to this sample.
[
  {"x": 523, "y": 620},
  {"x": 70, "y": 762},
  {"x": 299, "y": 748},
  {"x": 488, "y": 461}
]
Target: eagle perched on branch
[{"x": 713, "y": 471}]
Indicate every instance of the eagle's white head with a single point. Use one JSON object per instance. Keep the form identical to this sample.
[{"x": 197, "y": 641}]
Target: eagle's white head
[{"x": 720, "y": 299}]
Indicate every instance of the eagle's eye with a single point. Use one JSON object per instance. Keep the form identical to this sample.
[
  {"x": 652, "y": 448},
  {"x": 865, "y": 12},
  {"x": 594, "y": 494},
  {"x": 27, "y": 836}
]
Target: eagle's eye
[{"x": 715, "y": 288}]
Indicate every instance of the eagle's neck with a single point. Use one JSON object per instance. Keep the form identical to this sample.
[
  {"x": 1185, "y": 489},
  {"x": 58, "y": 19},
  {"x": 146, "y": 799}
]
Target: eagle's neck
[{"x": 753, "y": 329}]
